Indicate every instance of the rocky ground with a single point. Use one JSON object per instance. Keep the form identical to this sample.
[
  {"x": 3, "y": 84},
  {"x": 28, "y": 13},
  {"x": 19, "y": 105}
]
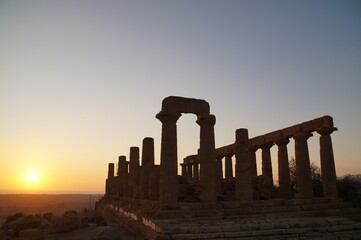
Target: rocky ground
[{"x": 68, "y": 226}]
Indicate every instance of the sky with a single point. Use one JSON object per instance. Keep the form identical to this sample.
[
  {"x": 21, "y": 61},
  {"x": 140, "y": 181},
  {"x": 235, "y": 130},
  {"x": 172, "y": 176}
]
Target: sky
[{"x": 81, "y": 81}]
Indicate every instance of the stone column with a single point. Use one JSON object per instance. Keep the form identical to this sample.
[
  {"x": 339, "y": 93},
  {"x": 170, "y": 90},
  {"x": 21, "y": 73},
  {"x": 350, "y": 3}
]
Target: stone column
[
  {"x": 189, "y": 172},
  {"x": 283, "y": 168},
  {"x": 109, "y": 181},
  {"x": 123, "y": 172},
  {"x": 228, "y": 166},
  {"x": 303, "y": 169},
  {"x": 154, "y": 183},
  {"x": 126, "y": 183},
  {"x": 110, "y": 170},
  {"x": 134, "y": 172},
  {"x": 219, "y": 173},
  {"x": 267, "y": 167},
  {"x": 147, "y": 163},
  {"x": 243, "y": 186},
  {"x": 184, "y": 169},
  {"x": 207, "y": 158},
  {"x": 168, "y": 192},
  {"x": 118, "y": 183},
  {"x": 195, "y": 170},
  {"x": 328, "y": 171},
  {"x": 252, "y": 153}
]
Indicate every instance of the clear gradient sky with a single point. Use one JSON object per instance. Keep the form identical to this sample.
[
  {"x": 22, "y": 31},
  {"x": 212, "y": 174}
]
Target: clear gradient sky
[{"x": 82, "y": 81}]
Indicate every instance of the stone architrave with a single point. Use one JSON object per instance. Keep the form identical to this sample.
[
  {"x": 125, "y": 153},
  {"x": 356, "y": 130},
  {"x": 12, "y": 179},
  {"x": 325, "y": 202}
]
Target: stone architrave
[
  {"x": 252, "y": 153},
  {"x": 283, "y": 168},
  {"x": 168, "y": 192},
  {"x": 267, "y": 167},
  {"x": 219, "y": 173},
  {"x": 189, "y": 172},
  {"x": 228, "y": 166},
  {"x": 243, "y": 186},
  {"x": 123, "y": 175},
  {"x": 147, "y": 163},
  {"x": 154, "y": 183},
  {"x": 207, "y": 158},
  {"x": 328, "y": 171},
  {"x": 134, "y": 172},
  {"x": 303, "y": 169}
]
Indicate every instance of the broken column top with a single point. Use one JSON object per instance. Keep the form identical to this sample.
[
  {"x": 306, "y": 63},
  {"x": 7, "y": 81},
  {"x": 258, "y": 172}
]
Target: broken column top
[{"x": 173, "y": 104}]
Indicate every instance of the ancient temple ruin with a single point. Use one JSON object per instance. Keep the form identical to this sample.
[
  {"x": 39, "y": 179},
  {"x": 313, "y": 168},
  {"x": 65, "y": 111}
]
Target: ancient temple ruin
[{"x": 208, "y": 202}]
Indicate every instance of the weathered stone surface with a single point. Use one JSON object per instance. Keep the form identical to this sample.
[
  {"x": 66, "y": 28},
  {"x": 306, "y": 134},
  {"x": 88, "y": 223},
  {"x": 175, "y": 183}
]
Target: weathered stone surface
[
  {"x": 243, "y": 189},
  {"x": 185, "y": 105},
  {"x": 147, "y": 163},
  {"x": 207, "y": 158}
]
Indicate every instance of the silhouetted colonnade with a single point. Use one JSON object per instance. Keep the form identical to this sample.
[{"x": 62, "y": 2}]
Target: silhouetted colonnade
[{"x": 160, "y": 182}]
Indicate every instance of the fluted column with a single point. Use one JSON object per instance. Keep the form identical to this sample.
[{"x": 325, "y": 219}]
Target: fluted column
[
  {"x": 228, "y": 167},
  {"x": 207, "y": 158},
  {"x": 168, "y": 192},
  {"x": 328, "y": 171},
  {"x": 147, "y": 163},
  {"x": 283, "y": 168},
  {"x": 253, "y": 159},
  {"x": 123, "y": 172},
  {"x": 267, "y": 167},
  {"x": 219, "y": 173},
  {"x": 303, "y": 169},
  {"x": 243, "y": 188}
]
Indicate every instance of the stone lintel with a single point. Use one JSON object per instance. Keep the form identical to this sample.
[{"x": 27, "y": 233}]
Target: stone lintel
[
  {"x": 291, "y": 131},
  {"x": 311, "y": 125},
  {"x": 327, "y": 121},
  {"x": 257, "y": 141},
  {"x": 190, "y": 159},
  {"x": 270, "y": 137},
  {"x": 225, "y": 149},
  {"x": 185, "y": 105}
]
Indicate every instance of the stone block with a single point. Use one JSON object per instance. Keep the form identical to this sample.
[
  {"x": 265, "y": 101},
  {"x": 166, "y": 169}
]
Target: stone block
[
  {"x": 327, "y": 121},
  {"x": 184, "y": 105},
  {"x": 312, "y": 125},
  {"x": 291, "y": 131},
  {"x": 257, "y": 141},
  {"x": 272, "y": 136}
]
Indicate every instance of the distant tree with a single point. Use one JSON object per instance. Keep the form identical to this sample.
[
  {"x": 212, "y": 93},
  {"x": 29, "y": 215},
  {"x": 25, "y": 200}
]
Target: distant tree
[
  {"x": 315, "y": 174},
  {"x": 349, "y": 189}
]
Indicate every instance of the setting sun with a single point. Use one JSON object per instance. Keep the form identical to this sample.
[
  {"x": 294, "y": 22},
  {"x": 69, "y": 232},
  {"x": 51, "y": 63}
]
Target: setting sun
[{"x": 31, "y": 176}]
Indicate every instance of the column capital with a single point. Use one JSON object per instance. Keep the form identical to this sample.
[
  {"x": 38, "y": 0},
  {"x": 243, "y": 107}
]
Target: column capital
[
  {"x": 168, "y": 117},
  {"x": 282, "y": 141},
  {"x": 267, "y": 145},
  {"x": 326, "y": 130},
  {"x": 204, "y": 119}
]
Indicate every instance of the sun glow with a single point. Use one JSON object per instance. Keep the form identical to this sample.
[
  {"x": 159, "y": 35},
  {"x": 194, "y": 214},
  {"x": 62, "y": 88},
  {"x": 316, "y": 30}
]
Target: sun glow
[{"x": 31, "y": 177}]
